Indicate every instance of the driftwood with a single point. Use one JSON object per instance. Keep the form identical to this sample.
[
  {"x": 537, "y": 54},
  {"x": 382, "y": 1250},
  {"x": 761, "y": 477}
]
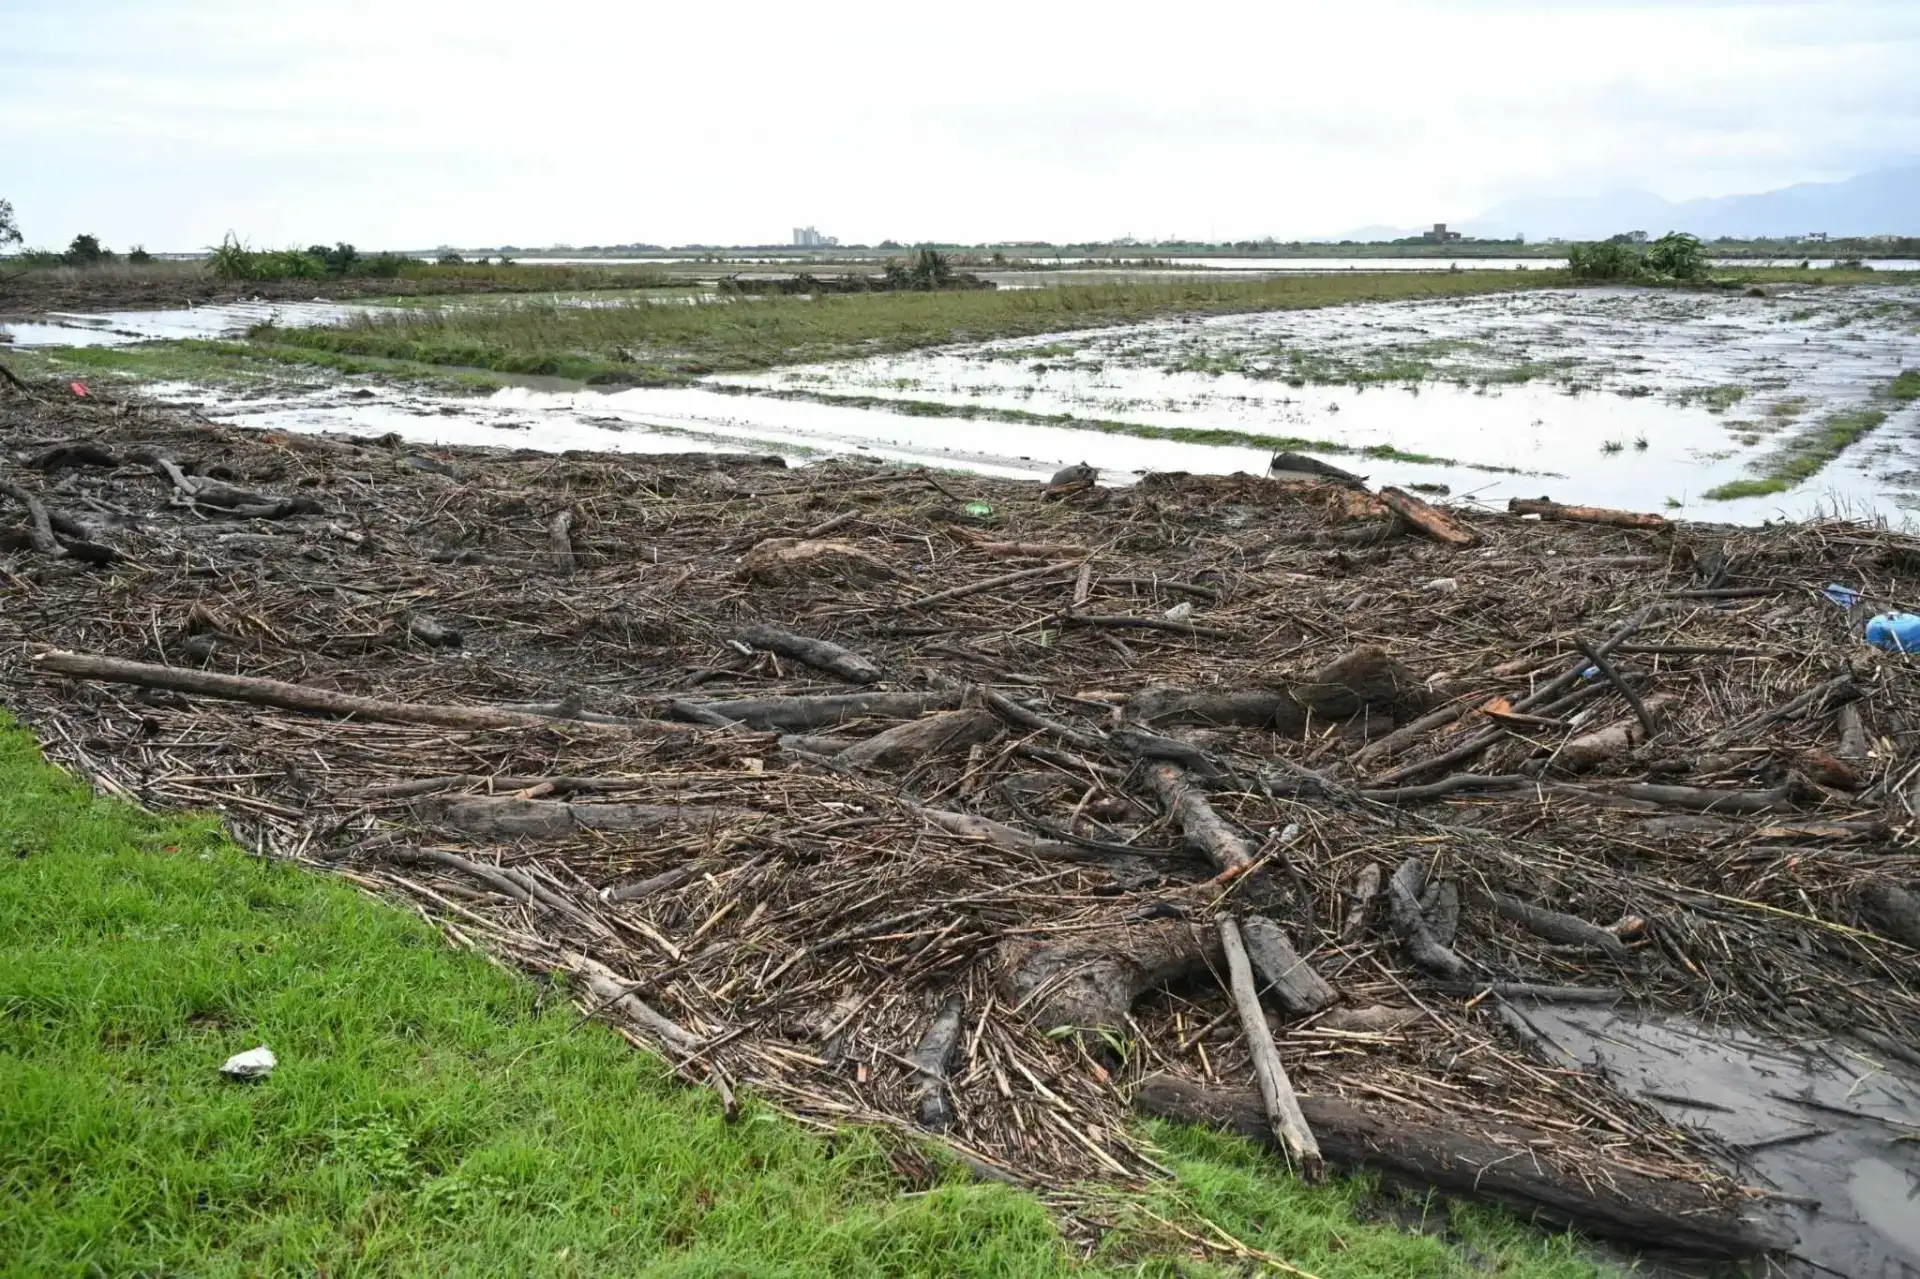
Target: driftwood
[
  {"x": 1378, "y": 1019},
  {"x": 1568, "y": 930},
  {"x": 1428, "y": 519},
  {"x": 245, "y": 503},
  {"x": 1891, "y": 909},
  {"x": 1548, "y": 509},
  {"x": 1297, "y": 467},
  {"x": 930, "y": 1061},
  {"x": 1001, "y": 835},
  {"x": 1295, "y": 985},
  {"x": 1610, "y": 741},
  {"x": 1089, "y": 981},
  {"x": 1700, "y": 799},
  {"x": 1854, "y": 741},
  {"x": 1601, "y": 663},
  {"x": 1404, "y": 889},
  {"x": 1364, "y": 679},
  {"x": 1284, "y": 1120},
  {"x": 507, "y": 816},
  {"x": 300, "y": 697},
  {"x": 922, "y": 739},
  {"x": 787, "y": 559},
  {"x": 39, "y": 525},
  {"x": 666, "y": 881},
  {"x": 1613, "y": 1201},
  {"x": 610, "y": 993},
  {"x": 560, "y": 543},
  {"x": 1440, "y": 907},
  {"x": 1202, "y": 828},
  {"x": 994, "y": 583},
  {"x": 823, "y": 712},
  {"x": 818, "y": 653},
  {"x": 1366, "y": 886}
]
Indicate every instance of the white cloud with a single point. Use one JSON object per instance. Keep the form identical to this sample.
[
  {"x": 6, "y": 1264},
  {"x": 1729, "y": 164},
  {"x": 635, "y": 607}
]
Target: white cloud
[{"x": 413, "y": 123}]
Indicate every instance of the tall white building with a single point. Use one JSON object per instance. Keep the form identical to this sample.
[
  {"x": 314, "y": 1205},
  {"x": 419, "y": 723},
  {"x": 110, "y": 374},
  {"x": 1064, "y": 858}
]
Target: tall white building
[{"x": 805, "y": 237}]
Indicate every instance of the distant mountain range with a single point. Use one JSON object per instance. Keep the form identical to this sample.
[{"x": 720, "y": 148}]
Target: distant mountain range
[{"x": 1883, "y": 202}]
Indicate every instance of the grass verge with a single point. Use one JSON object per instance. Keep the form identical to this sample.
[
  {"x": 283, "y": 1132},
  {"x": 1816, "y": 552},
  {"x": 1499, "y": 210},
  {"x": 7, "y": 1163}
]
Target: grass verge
[
  {"x": 432, "y": 1113},
  {"x": 1802, "y": 457},
  {"x": 538, "y": 336}
]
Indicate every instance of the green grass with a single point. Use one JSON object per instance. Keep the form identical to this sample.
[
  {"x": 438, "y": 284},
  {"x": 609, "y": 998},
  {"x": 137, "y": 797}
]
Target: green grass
[
  {"x": 1802, "y": 457},
  {"x": 432, "y": 1113},
  {"x": 214, "y": 362},
  {"x": 537, "y": 336},
  {"x": 1213, "y": 435},
  {"x": 1906, "y": 386}
]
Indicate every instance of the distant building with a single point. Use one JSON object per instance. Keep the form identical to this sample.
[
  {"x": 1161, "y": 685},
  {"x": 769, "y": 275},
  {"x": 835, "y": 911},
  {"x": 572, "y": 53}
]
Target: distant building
[
  {"x": 1818, "y": 237},
  {"x": 1440, "y": 234},
  {"x": 805, "y": 237}
]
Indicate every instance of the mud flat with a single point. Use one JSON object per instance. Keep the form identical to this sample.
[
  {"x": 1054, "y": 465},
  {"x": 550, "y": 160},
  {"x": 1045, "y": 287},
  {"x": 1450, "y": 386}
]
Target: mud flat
[{"x": 930, "y": 799}]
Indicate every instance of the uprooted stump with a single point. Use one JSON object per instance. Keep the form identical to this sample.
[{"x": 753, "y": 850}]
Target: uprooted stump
[
  {"x": 1090, "y": 981},
  {"x": 1520, "y": 1172}
]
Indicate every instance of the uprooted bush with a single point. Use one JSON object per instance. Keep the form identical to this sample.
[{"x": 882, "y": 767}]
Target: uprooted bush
[{"x": 1674, "y": 257}]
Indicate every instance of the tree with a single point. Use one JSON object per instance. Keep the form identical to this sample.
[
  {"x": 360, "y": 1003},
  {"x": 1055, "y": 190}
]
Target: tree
[
  {"x": 86, "y": 251},
  {"x": 9, "y": 229}
]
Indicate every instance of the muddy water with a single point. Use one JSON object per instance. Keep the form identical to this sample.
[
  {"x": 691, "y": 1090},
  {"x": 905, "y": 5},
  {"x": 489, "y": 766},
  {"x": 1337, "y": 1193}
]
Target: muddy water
[
  {"x": 1832, "y": 1127},
  {"x": 123, "y": 328},
  {"x": 1635, "y": 398}
]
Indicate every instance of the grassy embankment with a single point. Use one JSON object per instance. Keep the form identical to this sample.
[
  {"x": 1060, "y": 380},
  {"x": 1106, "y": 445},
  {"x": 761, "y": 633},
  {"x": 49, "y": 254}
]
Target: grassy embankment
[
  {"x": 644, "y": 342},
  {"x": 432, "y": 1113},
  {"x": 1803, "y": 456}
]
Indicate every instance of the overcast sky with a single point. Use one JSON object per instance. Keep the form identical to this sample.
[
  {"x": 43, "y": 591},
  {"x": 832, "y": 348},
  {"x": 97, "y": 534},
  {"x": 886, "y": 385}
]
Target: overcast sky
[{"x": 412, "y": 123}]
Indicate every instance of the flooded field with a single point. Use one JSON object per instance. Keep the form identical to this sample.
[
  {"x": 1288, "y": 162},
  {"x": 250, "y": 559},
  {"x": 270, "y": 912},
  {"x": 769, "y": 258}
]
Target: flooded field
[{"x": 1714, "y": 405}]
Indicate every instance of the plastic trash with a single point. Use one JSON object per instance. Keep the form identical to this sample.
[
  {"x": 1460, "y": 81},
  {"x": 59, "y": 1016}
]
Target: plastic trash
[
  {"x": 979, "y": 510},
  {"x": 1180, "y": 612},
  {"x": 255, "y": 1063},
  {"x": 1844, "y": 596},
  {"x": 1895, "y": 632},
  {"x": 1441, "y": 586}
]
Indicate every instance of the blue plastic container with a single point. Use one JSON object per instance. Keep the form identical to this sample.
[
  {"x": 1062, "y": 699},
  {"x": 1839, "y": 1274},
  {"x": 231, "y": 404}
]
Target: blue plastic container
[{"x": 1895, "y": 632}]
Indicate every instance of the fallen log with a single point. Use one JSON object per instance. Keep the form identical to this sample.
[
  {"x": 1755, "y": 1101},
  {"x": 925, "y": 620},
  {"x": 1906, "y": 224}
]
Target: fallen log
[
  {"x": 822, "y": 712},
  {"x": 1548, "y": 509},
  {"x": 922, "y": 739},
  {"x": 1290, "y": 1129},
  {"x": 301, "y": 697},
  {"x": 1428, "y": 519},
  {"x": 1202, "y": 828},
  {"x": 818, "y": 653},
  {"x": 1699, "y": 799},
  {"x": 782, "y": 560},
  {"x": 1299, "y": 468},
  {"x": 1377, "y": 1019},
  {"x": 510, "y": 817},
  {"x": 1298, "y": 989},
  {"x": 613, "y": 994},
  {"x": 1521, "y": 1173}
]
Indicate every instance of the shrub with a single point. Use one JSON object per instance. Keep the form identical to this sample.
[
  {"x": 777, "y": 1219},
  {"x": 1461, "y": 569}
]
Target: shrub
[
  {"x": 86, "y": 250},
  {"x": 1606, "y": 260},
  {"x": 139, "y": 256},
  {"x": 1676, "y": 256}
]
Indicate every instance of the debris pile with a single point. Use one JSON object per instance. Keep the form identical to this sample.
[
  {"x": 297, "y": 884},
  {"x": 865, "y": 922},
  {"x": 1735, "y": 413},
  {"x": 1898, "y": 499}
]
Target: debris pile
[{"x": 937, "y": 802}]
